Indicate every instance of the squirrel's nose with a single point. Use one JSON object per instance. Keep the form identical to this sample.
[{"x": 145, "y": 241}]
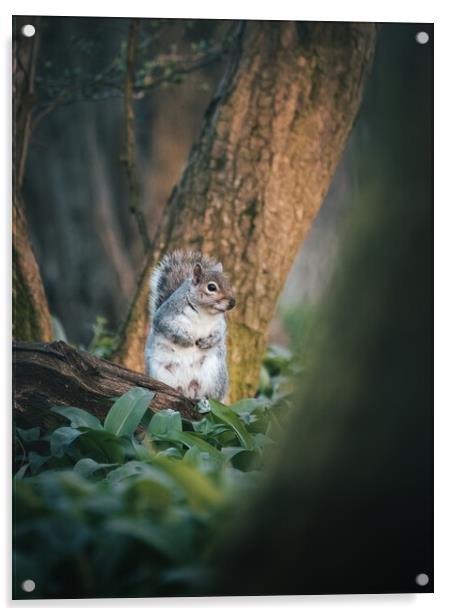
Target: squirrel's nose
[{"x": 231, "y": 303}]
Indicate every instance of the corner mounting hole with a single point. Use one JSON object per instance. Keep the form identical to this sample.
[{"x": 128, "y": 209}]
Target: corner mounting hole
[
  {"x": 422, "y": 579},
  {"x": 422, "y": 38},
  {"x": 28, "y": 585},
  {"x": 28, "y": 30}
]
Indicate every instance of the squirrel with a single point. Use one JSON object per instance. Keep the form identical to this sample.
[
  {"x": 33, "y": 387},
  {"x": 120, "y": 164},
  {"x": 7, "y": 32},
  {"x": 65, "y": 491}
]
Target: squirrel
[{"x": 186, "y": 346}]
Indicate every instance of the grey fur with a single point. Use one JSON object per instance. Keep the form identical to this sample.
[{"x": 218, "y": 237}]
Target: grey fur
[
  {"x": 180, "y": 311},
  {"x": 209, "y": 341},
  {"x": 164, "y": 317},
  {"x": 173, "y": 270},
  {"x": 221, "y": 385}
]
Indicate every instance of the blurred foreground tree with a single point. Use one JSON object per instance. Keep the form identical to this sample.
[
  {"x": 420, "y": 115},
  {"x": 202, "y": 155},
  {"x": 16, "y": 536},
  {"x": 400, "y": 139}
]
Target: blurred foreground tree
[
  {"x": 348, "y": 507},
  {"x": 272, "y": 138}
]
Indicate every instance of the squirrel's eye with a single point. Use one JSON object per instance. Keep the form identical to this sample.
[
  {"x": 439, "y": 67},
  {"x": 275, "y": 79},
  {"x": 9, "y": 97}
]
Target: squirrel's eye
[{"x": 212, "y": 287}]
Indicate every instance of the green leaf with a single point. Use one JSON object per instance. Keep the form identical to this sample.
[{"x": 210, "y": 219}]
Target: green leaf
[
  {"x": 203, "y": 461},
  {"x": 171, "y": 452},
  {"x": 146, "y": 494},
  {"x": 30, "y": 435},
  {"x": 231, "y": 452},
  {"x": 224, "y": 414},
  {"x": 141, "y": 451},
  {"x": 265, "y": 383},
  {"x": 190, "y": 440},
  {"x": 199, "y": 490},
  {"x": 60, "y": 440},
  {"x": 163, "y": 423},
  {"x": 73, "y": 485},
  {"x": 247, "y": 461},
  {"x": 154, "y": 535},
  {"x": 36, "y": 460},
  {"x": 87, "y": 467},
  {"x": 136, "y": 468},
  {"x": 127, "y": 412},
  {"x": 247, "y": 409},
  {"x": 78, "y": 417},
  {"x": 277, "y": 359},
  {"x": 101, "y": 446},
  {"x": 207, "y": 427},
  {"x": 262, "y": 440},
  {"x": 247, "y": 405}
]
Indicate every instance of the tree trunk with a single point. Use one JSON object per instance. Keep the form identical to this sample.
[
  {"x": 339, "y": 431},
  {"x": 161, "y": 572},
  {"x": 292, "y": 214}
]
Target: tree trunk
[
  {"x": 270, "y": 143},
  {"x": 31, "y": 316},
  {"x": 347, "y": 506},
  {"x": 47, "y": 375}
]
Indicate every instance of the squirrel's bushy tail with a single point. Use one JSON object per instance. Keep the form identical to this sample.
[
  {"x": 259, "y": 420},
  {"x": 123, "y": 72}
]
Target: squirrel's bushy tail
[{"x": 172, "y": 271}]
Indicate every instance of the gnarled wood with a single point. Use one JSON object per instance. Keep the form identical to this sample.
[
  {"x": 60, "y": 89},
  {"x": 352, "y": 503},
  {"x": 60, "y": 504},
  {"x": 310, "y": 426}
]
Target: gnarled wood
[
  {"x": 47, "y": 375},
  {"x": 272, "y": 138}
]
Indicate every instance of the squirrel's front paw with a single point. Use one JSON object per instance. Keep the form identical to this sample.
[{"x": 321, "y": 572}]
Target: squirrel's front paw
[{"x": 205, "y": 343}]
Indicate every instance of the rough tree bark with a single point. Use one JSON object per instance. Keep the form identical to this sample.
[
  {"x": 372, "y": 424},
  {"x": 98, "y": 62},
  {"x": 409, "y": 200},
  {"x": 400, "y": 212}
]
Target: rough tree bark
[
  {"x": 31, "y": 316},
  {"x": 47, "y": 375},
  {"x": 270, "y": 143}
]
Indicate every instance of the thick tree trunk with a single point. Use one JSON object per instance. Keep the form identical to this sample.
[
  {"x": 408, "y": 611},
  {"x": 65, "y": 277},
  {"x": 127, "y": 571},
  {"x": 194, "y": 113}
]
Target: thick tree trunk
[
  {"x": 47, "y": 375},
  {"x": 31, "y": 316},
  {"x": 258, "y": 174}
]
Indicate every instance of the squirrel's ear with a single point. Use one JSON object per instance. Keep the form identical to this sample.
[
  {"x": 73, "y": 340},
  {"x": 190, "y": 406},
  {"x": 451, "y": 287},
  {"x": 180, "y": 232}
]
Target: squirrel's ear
[
  {"x": 197, "y": 273},
  {"x": 218, "y": 267}
]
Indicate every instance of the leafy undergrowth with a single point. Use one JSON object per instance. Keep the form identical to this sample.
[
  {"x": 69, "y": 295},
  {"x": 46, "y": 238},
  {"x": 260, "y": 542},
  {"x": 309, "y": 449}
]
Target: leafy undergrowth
[{"x": 134, "y": 506}]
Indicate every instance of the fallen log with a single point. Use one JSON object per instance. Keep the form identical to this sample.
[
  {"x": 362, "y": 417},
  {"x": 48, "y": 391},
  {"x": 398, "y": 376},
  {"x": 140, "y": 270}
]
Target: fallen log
[{"x": 55, "y": 374}]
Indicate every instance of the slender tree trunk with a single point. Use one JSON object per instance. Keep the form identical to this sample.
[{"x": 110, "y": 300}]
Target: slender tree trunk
[
  {"x": 31, "y": 316},
  {"x": 259, "y": 172},
  {"x": 129, "y": 155}
]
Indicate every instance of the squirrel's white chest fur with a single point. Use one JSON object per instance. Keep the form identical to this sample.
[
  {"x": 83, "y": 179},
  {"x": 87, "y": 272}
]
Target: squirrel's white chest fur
[{"x": 191, "y": 370}]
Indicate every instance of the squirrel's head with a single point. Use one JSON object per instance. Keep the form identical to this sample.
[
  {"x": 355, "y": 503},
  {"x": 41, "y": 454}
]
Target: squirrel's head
[{"x": 211, "y": 289}]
